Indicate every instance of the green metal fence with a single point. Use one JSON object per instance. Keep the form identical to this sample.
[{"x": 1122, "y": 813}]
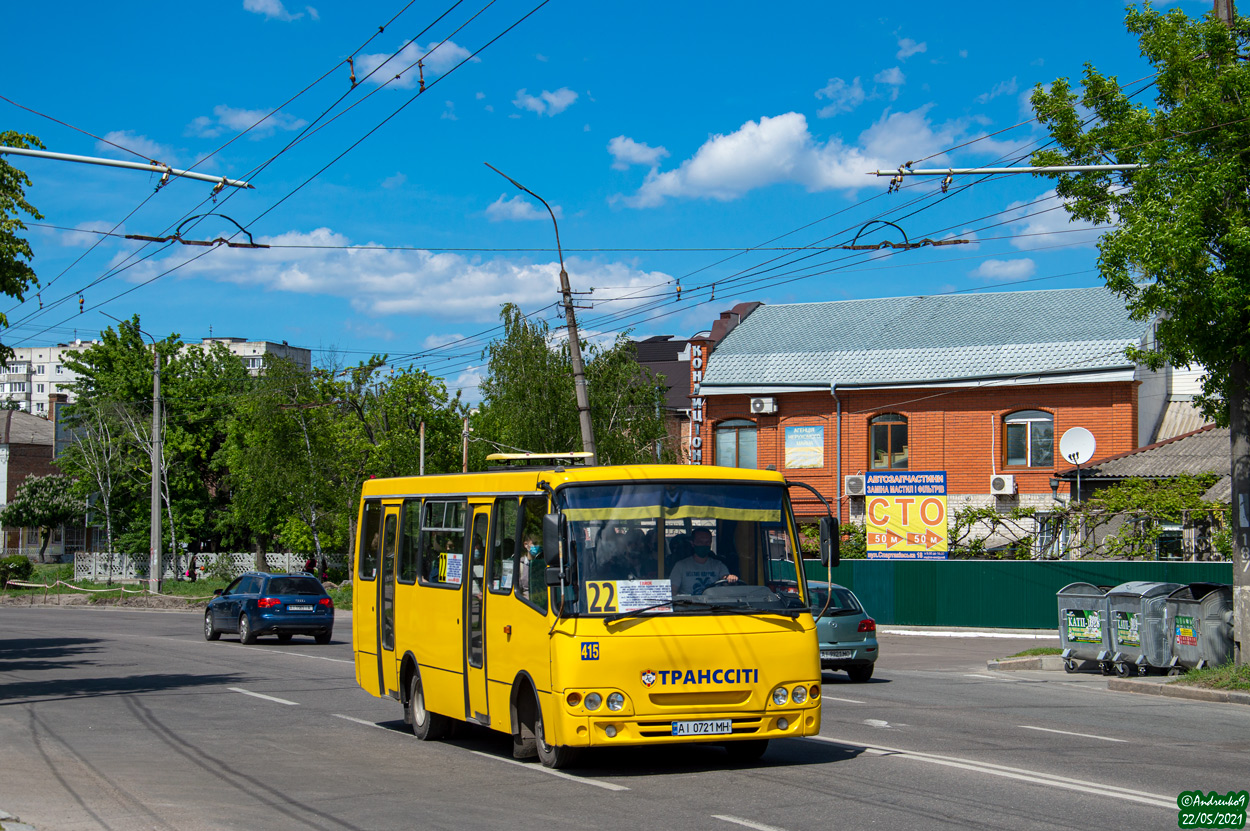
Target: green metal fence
[{"x": 998, "y": 594}]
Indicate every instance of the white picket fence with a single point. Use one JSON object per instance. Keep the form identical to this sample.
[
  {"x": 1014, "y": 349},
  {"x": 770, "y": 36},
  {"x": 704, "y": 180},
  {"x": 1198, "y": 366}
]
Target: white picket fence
[{"x": 103, "y": 567}]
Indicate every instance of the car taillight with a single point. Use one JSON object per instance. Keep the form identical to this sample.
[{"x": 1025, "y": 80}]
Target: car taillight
[
  {"x": 325, "y": 601},
  {"x": 867, "y": 625},
  {"x": 266, "y": 602}
]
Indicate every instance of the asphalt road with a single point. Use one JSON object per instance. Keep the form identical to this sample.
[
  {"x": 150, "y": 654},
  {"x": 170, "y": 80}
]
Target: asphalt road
[{"x": 115, "y": 719}]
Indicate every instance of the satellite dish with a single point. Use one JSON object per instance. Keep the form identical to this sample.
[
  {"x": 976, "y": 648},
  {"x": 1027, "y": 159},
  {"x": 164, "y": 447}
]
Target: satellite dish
[{"x": 1077, "y": 445}]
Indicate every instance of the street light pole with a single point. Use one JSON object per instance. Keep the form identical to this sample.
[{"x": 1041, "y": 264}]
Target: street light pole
[{"x": 575, "y": 345}]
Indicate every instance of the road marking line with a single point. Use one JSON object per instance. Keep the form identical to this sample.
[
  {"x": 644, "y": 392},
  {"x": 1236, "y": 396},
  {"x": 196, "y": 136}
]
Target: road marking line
[
  {"x": 758, "y": 826},
  {"x": 1034, "y": 777},
  {"x": 262, "y": 695},
  {"x": 847, "y": 700},
  {"x": 268, "y": 651},
  {"x": 1004, "y": 635},
  {"x": 585, "y": 780},
  {"x": 359, "y": 721},
  {"x": 1070, "y": 733},
  {"x": 989, "y": 677}
]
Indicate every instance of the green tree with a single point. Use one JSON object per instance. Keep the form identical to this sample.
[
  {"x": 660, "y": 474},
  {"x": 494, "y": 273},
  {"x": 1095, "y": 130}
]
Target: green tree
[
  {"x": 43, "y": 502},
  {"x": 16, "y": 274},
  {"x": 529, "y": 404},
  {"x": 1178, "y": 241}
]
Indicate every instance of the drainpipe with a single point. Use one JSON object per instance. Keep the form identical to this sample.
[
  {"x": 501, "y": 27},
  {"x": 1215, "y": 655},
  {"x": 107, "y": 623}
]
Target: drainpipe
[{"x": 837, "y": 478}]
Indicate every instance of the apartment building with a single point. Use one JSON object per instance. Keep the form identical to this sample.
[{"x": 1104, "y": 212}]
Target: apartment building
[{"x": 35, "y": 373}]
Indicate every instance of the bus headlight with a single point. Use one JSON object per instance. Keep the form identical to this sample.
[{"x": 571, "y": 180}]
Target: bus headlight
[
  {"x": 799, "y": 695},
  {"x": 593, "y": 700},
  {"x": 781, "y": 695},
  {"x": 616, "y": 701}
]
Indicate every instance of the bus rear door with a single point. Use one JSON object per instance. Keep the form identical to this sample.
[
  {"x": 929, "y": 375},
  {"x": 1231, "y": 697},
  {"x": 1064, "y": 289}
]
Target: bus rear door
[{"x": 475, "y": 706}]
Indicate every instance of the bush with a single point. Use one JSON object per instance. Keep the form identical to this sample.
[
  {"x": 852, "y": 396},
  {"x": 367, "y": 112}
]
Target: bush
[{"x": 15, "y": 567}]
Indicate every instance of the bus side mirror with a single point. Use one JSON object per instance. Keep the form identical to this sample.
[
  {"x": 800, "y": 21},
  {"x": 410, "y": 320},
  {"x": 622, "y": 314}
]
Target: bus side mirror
[
  {"x": 555, "y": 527},
  {"x": 830, "y": 542}
]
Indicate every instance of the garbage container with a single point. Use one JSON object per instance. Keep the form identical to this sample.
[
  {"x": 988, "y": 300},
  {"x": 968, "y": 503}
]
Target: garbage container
[
  {"x": 1135, "y": 617},
  {"x": 1083, "y": 630},
  {"x": 1199, "y": 620}
]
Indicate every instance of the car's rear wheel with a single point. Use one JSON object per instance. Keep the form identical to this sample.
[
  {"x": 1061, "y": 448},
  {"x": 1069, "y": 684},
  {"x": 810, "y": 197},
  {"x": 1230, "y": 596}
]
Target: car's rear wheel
[
  {"x": 322, "y": 637},
  {"x": 210, "y": 631},
  {"x": 284, "y": 637},
  {"x": 860, "y": 674},
  {"x": 246, "y": 635},
  {"x": 426, "y": 726}
]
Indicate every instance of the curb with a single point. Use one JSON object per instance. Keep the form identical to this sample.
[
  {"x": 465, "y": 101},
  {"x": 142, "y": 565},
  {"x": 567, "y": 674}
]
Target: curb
[
  {"x": 1178, "y": 691},
  {"x": 8, "y": 822},
  {"x": 1049, "y": 662}
]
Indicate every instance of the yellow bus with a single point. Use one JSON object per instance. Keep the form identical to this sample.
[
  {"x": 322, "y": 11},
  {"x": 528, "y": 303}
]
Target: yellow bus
[{"x": 576, "y": 606}]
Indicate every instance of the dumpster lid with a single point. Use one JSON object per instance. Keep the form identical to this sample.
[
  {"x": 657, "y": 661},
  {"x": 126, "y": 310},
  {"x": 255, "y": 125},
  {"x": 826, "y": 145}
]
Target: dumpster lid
[
  {"x": 1082, "y": 590},
  {"x": 1197, "y": 591},
  {"x": 1144, "y": 588}
]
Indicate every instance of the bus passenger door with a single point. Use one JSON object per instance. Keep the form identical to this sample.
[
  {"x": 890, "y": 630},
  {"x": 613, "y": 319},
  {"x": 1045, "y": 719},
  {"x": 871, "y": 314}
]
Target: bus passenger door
[
  {"x": 475, "y": 706},
  {"x": 388, "y": 668},
  {"x": 365, "y": 599}
]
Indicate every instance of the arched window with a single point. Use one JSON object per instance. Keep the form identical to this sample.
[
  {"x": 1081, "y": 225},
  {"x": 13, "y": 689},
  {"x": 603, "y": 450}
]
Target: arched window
[
  {"x": 735, "y": 443},
  {"x": 887, "y": 442},
  {"x": 1029, "y": 439}
]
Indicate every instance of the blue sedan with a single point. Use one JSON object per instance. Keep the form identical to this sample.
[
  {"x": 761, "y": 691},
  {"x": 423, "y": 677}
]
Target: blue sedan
[
  {"x": 271, "y": 604},
  {"x": 848, "y": 636}
]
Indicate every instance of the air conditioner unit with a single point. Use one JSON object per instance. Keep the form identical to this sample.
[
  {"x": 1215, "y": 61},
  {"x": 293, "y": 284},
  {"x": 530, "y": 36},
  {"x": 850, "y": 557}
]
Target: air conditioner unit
[
  {"x": 764, "y": 406},
  {"x": 854, "y": 485},
  {"x": 1002, "y": 484}
]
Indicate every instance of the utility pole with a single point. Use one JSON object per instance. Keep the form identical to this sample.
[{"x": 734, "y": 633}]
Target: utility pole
[
  {"x": 154, "y": 561},
  {"x": 575, "y": 346}
]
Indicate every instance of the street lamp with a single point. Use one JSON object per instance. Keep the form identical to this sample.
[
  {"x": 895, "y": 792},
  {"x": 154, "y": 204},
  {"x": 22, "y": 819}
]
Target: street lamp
[
  {"x": 575, "y": 346},
  {"x": 154, "y": 538}
]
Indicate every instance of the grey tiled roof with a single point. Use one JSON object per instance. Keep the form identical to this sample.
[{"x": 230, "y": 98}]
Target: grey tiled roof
[
  {"x": 1203, "y": 451},
  {"x": 927, "y": 338}
]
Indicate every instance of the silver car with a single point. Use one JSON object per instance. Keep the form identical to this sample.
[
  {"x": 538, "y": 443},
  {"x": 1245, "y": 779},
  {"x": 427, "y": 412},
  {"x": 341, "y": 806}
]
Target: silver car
[{"x": 848, "y": 636}]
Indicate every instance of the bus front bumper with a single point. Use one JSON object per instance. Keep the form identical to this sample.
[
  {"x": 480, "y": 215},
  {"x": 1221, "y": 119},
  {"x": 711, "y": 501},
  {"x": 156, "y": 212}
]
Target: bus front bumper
[{"x": 606, "y": 731}]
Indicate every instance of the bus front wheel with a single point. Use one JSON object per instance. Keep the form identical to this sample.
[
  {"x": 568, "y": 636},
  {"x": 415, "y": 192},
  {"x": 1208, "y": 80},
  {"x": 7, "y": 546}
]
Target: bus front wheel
[
  {"x": 426, "y": 726},
  {"x": 553, "y": 756}
]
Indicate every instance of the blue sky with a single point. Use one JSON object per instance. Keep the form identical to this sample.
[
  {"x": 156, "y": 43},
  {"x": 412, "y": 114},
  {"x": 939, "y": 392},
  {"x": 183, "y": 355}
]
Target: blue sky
[{"x": 670, "y": 139}]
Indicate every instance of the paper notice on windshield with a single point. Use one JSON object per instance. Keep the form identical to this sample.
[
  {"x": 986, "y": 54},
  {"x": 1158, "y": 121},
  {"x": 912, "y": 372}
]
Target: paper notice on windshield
[
  {"x": 455, "y": 568},
  {"x": 633, "y": 595}
]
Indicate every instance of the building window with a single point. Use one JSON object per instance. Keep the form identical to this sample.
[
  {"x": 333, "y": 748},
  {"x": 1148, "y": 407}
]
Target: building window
[
  {"x": 735, "y": 443},
  {"x": 60, "y": 370},
  {"x": 17, "y": 369},
  {"x": 40, "y": 369},
  {"x": 1029, "y": 439},
  {"x": 39, "y": 409},
  {"x": 252, "y": 363},
  {"x": 17, "y": 386},
  {"x": 39, "y": 388},
  {"x": 888, "y": 442}
]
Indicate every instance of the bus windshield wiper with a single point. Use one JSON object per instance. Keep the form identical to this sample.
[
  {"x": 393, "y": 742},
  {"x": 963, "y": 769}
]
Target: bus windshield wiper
[{"x": 638, "y": 612}]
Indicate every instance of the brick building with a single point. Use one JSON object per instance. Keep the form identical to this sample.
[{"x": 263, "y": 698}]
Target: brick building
[
  {"x": 26, "y": 444},
  {"x": 980, "y": 386}
]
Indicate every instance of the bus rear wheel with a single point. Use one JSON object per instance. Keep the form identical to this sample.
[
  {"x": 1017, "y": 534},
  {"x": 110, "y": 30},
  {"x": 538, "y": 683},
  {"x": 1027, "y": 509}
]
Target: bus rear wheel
[
  {"x": 554, "y": 756},
  {"x": 426, "y": 726}
]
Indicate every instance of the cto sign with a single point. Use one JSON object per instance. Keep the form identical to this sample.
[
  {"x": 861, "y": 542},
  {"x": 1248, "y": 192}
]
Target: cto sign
[{"x": 905, "y": 515}]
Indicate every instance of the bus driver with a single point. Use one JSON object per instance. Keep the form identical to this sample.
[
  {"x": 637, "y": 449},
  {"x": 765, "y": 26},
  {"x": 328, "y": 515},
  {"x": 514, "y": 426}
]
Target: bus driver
[{"x": 700, "y": 570}]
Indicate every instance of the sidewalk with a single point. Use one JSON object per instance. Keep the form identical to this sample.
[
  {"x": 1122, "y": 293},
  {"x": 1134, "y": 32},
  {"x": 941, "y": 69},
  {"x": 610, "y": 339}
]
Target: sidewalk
[{"x": 1148, "y": 685}]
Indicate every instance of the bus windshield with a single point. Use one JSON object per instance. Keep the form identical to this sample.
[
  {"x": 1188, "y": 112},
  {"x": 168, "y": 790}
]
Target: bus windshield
[{"x": 681, "y": 548}]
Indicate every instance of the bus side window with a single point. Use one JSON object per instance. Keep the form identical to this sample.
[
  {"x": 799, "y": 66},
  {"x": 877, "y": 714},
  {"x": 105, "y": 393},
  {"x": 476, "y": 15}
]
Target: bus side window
[
  {"x": 409, "y": 537},
  {"x": 532, "y": 569},
  {"x": 503, "y": 548},
  {"x": 442, "y": 543},
  {"x": 370, "y": 545}
]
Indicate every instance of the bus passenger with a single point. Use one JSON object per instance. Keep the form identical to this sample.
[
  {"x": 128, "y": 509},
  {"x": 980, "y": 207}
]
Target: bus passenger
[{"x": 700, "y": 570}]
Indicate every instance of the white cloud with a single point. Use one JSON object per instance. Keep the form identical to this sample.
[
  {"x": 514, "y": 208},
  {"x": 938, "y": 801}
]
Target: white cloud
[
  {"x": 232, "y": 120},
  {"x": 1001, "y": 88},
  {"x": 908, "y": 47},
  {"x": 313, "y": 13},
  {"x": 443, "y": 285},
  {"x": 842, "y": 97},
  {"x": 435, "y": 341},
  {"x": 1038, "y": 222},
  {"x": 541, "y": 57},
  {"x": 70, "y": 239},
  {"x": 781, "y": 149},
  {"x": 625, "y": 152},
  {"x": 272, "y": 9},
  {"x": 963, "y": 53},
  {"x": 393, "y": 182},
  {"x": 479, "y": 96},
  {"x": 519, "y": 209},
  {"x": 467, "y": 384},
  {"x": 1006, "y": 270},
  {"x": 892, "y": 76},
  {"x": 443, "y": 57},
  {"x": 143, "y": 145},
  {"x": 545, "y": 103},
  {"x": 449, "y": 111}
]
